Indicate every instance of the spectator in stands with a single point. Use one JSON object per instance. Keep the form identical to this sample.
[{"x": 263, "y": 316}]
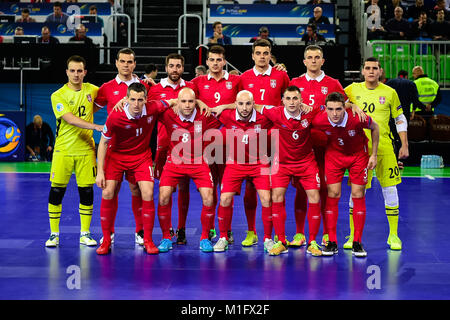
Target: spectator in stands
[
  {"x": 414, "y": 11},
  {"x": 398, "y": 28},
  {"x": 200, "y": 70},
  {"x": 80, "y": 35},
  {"x": 18, "y": 31},
  {"x": 93, "y": 12},
  {"x": 422, "y": 27},
  {"x": 311, "y": 36},
  {"x": 115, "y": 6},
  {"x": 389, "y": 8},
  {"x": 440, "y": 29},
  {"x": 218, "y": 37},
  {"x": 39, "y": 140},
  {"x": 407, "y": 93},
  {"x": 46, "y": 36},
  {"x": 318, "y": 17},
  {"x": 72, "y": 1},
  {"x": 150, "y": 71},
  {"x": 25, "y": 16},
  {"x": 315, "y": 2},
  {"x": 440, "y": 5},
  {"x": 263, "y": 33},
  {"x": 429, "y": 92},
  {"x": 58, "y": 15},
  {"x": 375, "y": 29}
]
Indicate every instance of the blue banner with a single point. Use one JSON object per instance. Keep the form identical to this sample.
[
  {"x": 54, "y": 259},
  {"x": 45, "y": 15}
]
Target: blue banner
[
  {"x": 12, "y": 136},
  {"x": 268, "y": 10},
  {"x": 44, "y": 9},
  {"x": 56, "y": 29}
]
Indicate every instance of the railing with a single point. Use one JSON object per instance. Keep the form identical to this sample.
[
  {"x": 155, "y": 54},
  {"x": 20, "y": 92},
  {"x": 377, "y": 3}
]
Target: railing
[
  {"x": 115, "y": 30},
  {"x": 360, "y": 23},
  {"x": 201, "y": 46},
  {"x": 200, "y": 26}
]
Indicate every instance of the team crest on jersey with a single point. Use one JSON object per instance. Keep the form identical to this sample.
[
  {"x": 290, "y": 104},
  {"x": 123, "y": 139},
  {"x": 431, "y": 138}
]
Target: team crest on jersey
[
  {"x": 273, "y": 83},
  {"x": 229, "y": 85},
  {"x": 116, "y": 93},
  {"x": 351, "y": 133},
  {"x": 324, "y": 90},
  {"x": 198, "y": 128},
  {"x": 304, "y": 123},
  {"x": 382, "y": 100},
  {"x": 89, "y": 97},
  {"x": 257, "y": 128}
]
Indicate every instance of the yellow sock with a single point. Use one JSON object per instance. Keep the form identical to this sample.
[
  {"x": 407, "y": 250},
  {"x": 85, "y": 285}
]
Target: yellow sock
[
  {"x": 352, "y": 228},
  {"x": 85, "y": 217},
  {"x": 54, "y": 214},
  {"x": 392, "y": 216}
]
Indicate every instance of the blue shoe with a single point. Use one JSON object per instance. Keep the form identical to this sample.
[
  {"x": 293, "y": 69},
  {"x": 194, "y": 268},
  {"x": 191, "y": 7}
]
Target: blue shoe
[
  {"x": 206, "y": 246},
  {"x": 165, "y": 245}
]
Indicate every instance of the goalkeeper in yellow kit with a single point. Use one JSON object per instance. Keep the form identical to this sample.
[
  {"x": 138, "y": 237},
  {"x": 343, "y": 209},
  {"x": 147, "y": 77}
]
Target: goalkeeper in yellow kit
[
  {"x": 74, "y": 149},
  {"x": 381, "y": 102}
]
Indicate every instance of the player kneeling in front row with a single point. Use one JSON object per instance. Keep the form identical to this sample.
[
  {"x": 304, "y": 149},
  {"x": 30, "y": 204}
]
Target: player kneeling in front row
[
  {"x": 347, "y": 148},
  {"x": 123, "y": 148}
]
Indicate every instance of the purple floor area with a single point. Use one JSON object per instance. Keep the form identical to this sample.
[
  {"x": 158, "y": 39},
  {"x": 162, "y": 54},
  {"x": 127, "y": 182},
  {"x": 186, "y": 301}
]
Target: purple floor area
[{"x": 28, "y": 270}]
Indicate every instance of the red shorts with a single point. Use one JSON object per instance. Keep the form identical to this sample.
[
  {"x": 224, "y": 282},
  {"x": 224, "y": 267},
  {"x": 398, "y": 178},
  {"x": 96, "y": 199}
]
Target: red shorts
[
  {"x": 235, "y": 174},
  {"x": 199, "y": 173},
  {"x": 337, "y": 163},
  {"x": 306, "y": 172},
  {"x": 319, "y": 154},
  {"x": 136, "y": 168}
]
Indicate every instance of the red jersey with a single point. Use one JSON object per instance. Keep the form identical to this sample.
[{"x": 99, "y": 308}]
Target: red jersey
[
  {"x": 348, "y": 137},
  {"x": 247, "y": 135},
  {"x": 294, "y": 143},
  {"x": 267, "y": 88},
  {"x": 187, "y": 135},
  {"x": 129, "y": 135},
  {"x": 112, "y": 91},
  {"x": 165, "y": 91}
]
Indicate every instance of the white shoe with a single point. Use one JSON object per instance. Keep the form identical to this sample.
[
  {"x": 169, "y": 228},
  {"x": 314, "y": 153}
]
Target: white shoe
[
  {"x": 87, "y": 240},
  {"x": 139, "y": 238},
  {"x": 221, "y": 245},
  {"x": 112, "y": 239},
  {"x": 268, "y": 245},
  {"x": 53, "y": 241}
]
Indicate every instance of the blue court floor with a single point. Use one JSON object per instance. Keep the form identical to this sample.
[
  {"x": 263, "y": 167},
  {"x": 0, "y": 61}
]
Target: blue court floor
[{"x": 28, "y": 270}]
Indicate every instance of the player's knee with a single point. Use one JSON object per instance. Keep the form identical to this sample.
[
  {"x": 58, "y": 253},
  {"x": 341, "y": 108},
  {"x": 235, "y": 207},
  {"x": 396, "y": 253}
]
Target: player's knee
[
  {"x": 334, "y": 192},
  {"x": 313, "y": 196},
  {"x": 265, "y": 199},
  {"x": 390, "y": 195},
  {"x": 108, "y": 194},
  {"x": 87, "y": 195},
  {"x": 225, "y": 200},
  {"x": 56, "y": 195}
]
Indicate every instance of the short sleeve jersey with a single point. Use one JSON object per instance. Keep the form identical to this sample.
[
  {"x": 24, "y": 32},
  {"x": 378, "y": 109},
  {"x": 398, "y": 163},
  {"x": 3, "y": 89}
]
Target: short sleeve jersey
[
  {"x": 294, "y": 133},
  {"x": 129, "y": 135},
  {"x": 381, "y": 104},
  {"x": 266, "y": 88},
  {"x": 247, "y": 136},
  {"x": 348, "y": 137},
  {"x": 72, "y": 140}
]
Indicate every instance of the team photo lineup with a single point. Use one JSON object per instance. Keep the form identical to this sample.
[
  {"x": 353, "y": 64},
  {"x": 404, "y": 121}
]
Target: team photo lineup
[{"x": 223, "y": 130}]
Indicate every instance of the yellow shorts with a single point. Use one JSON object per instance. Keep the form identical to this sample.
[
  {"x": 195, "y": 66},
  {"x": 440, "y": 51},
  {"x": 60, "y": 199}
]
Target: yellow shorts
[
  {"x": 386, "y": 171},
  {"x": 84, "y": 167}
]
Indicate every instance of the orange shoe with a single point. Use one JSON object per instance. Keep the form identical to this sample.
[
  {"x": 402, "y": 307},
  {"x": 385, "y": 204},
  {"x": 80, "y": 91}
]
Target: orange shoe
[
  {"x": 104, "y": 248},
  {"x": 150, "y": 247}
]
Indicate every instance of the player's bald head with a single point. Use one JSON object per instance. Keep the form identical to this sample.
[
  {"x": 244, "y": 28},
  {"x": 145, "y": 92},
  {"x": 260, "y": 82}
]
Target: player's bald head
[
  {"x": 186, "y": 93},
  {"x": 244, "y": 94}
]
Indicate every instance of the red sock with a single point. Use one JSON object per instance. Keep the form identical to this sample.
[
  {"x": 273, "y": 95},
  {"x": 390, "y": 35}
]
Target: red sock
[
  {"x": 136, "y": 206},
  {"x": 359, "y": 217},
  {"x": 148, "y": 218},
  {"x": 250, "y": 205},
  {"x": 300, "y": 210},
  {"x": 323, "y": 203},
  {"x": 224, "y": 216},
  {"x": 279, "y": 220},
  {"x": 183, "y": 207},
  {"x": 267, "y": 222},
  {"x": 232, "y": 208},
  {"x": 106, "y": 218},
  {"x": 330, "y": 217},
  {"x": 313, "y": 220},
  {"x": 207, "y": 219},
  {"x": 116, "y": 206},
  {"x": 164, "y": 214}
]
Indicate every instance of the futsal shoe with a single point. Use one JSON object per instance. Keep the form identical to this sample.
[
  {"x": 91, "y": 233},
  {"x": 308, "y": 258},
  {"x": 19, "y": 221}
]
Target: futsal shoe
[
  {"x": 314, "y": 249},
  {"x": 105, "y": 248},
  {"x": 87, "y": 240},
  {"x": 221, "y": 245},
  {"x": 278, "y": 249},
  {"x": 230, "y": 237},
  {"x": 165, "y": 245},
  {"x": 150, "y": 247},
  {"x": 330, "y": 249},
  {"x": 358, "y": 250},
  {"x": 212, "y": 234},
  {"x": 268, "y": 244},
  {"x": 112, "y": 239},
  {"x": 206, "y": 246},
  {"x": 250, "y": 240},
  {"x": 298, "y": 240},
  {"x": 139, "y": 237},
  {"x": 349, "y": 244},
  {"x": 181, "y": 236},
  {"x": 53, "y": 241},
  {"x": 325, "y": 239},
  {"x": 172, "y": 233},
  {"x": 394, "y": 242}
]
